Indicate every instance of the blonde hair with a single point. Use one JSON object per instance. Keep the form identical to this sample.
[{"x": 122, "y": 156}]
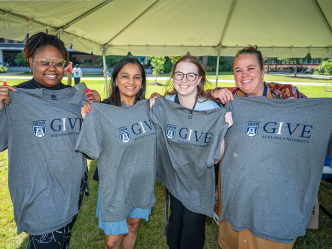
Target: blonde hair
[{"x": 201, "y": 93}]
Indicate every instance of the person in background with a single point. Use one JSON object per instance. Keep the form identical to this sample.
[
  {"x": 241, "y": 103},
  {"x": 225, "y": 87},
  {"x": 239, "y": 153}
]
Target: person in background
[
  {"x": 46, "y": 177},
  {"x": 69, "y": 70},
  {"x": 77, "y": 73}
]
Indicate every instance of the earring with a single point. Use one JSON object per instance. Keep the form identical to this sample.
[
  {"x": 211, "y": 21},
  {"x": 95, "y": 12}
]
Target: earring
[{"x": 30, "y": 70}]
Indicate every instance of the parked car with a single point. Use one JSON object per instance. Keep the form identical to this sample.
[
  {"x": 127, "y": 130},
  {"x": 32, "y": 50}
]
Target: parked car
[
  {"x": 148, "y": 69},
  {"x": 109, "y": 71}
]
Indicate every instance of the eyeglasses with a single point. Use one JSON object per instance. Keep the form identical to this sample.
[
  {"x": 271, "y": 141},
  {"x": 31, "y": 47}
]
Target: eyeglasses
[
  {"x": 190, "y": 76},
  {"x": 47, "y": 62}
]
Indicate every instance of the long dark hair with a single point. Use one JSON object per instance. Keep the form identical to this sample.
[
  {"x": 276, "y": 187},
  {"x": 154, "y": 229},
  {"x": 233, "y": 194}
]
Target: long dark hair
[
  {"x": 201, "y": 93},
  {"x": 114, "y": 92}
]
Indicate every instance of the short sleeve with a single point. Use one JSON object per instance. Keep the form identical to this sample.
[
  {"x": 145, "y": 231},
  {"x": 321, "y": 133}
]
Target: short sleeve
[
  {"x": 170, "y": 97},
  {"x": 83, "y": 101},
  {"x": 90, "y": 138},
  {"x": 4, "y": 128},
  {"x": 222, "y": 129},
  {"x": 212, "y": 105},
  {"x": 221, "y": 132},
  {"x": 297, "y": 93},
  {"x": 154, "y": 115},
  {"x": 329, "y": 148}
]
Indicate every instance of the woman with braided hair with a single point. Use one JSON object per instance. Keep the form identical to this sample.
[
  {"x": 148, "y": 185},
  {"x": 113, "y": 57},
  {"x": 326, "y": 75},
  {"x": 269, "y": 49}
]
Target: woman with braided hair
[{"x": 46, "y": 176}]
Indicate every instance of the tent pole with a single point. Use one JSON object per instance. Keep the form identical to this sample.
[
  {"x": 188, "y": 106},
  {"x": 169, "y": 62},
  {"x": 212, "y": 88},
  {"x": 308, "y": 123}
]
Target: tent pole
[
  {"x": 217, "y": 69},
  {"x": 105, "y": 76}
]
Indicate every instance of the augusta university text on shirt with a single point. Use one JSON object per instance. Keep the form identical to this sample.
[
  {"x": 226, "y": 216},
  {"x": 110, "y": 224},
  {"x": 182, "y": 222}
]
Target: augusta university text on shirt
[{"x": 273, "y": 163}]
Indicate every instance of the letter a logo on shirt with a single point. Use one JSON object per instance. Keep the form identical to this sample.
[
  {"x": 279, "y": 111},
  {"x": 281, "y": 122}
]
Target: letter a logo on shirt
[
  {"x": 124, "y": 134},
  {"x": 39, "y": 128},
  {"x": 252, "y": 129},
  {"x": 171, "y": 130}
]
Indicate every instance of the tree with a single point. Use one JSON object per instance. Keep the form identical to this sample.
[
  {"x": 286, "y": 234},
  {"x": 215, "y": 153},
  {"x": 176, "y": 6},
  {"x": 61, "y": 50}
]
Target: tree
[
  {"x": 174, "y": 59},
  {"x": 170, "y": 61},
  {"x": 157, "y": 63},
  {"x": 212, "y": 63},
  {"x": 20, "y": 60},
  {"x": 325, "y": 67},
  {"x": 111, "y": 60}
]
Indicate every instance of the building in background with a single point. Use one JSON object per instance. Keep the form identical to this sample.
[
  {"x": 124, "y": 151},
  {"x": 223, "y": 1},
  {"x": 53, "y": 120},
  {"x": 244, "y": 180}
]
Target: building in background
[{"x": 10, "y": 48}]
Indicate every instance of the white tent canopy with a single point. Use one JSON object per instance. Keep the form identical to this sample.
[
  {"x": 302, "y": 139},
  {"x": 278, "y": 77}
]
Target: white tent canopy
[{"x": 280, "y": 28}]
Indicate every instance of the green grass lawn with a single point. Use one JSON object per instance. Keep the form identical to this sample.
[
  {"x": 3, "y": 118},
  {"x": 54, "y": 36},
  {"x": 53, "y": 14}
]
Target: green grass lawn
[{"x": 86, "y": 233}]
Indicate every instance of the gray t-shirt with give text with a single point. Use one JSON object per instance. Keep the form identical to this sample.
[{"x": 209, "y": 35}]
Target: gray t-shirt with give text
[
  {"x": 123, "y": 140},
  {"x": 273, "y": 163},
  {"x": 186, "y": 151},
  {"x": 40, "y": 128}
]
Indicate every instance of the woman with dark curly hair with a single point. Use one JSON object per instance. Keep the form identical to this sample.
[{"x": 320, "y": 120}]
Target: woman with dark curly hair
[{"x": 46, "y": 177}]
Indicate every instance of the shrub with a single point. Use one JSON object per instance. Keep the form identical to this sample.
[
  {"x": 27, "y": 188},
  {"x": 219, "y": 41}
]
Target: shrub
[
  {"x": 3, "y": 69},
  {"x": 325, "y": 67},
  {"x": 168, "y": 66},
  {"x": 111, "y": 60},
  {"x": 212, "y": 63},
  {"x": 20, "y": 60}
]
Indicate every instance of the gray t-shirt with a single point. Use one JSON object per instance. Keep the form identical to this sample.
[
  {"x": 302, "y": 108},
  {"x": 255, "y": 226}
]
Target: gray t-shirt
[
  {"x": 124, "y": 141},
  {"x": 186, "y": 152},
  {"x": 272, "y": 167},
  {"x": 40, "y": 128}
]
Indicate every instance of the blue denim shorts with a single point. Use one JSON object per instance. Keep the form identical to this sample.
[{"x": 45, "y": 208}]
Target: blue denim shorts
[{"x": 120, "y": 227}]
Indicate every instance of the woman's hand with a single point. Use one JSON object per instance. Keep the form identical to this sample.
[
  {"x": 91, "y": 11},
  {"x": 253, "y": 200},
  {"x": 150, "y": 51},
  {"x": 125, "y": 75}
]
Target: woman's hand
[
  {"x": 94, "y": 96},
  {"x": 4, "y": 94},
  {"x": 152, "y": 101},
  {"x": 85, "y": 109},
  {"x": 155, "y": 95},
  {"x": 229, "y": 119},
  {"x": 153, "y": 98},
  {"x": 223, "y": 94}
]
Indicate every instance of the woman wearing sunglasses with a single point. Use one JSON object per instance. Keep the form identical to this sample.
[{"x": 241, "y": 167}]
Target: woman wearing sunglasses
[{"x": 46, "y": 177}]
